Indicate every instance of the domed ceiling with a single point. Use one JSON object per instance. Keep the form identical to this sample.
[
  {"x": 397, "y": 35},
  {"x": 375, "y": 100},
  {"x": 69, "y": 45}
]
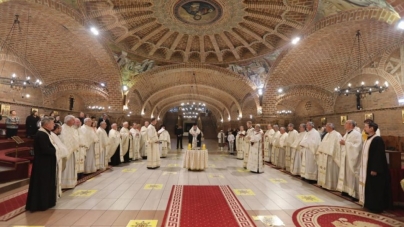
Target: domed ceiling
[{"x": 204, "y": 31}]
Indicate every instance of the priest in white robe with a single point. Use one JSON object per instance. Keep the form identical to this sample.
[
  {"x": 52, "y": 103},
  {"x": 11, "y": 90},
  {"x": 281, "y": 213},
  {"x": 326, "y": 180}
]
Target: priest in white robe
[
  {"x": 221, "y": 138},
  {"x": 81, "y": 153},
  {"x": 126, "y": 143},
  {"x": 240, "y": 143},
  {"x": 61, "y": 153},
  {"x": 309, "y": 146},
  {"x": 276, "y": 136},
  {"x": 328, "y": 158},
  {"x": 70, "y": 139},
  {"x": 281, "y": 145},
  {"x": 268, "y": 137},
  {"x": 143, "y": 140},
  {"x": 153, "y": 154},
  {"x": 114, "y": 149},
  {"x": 165, "y": 141},
  {"x": 351, "y": 150},
  {"x": 255, "y": 158},
  {"x": 89, "y": 143},
  {"x": 134, "y": 131},
  {"x": 250, "y": 133},
  {"x": 296, "y": 154},
  {"x": 195, "y": 135},
  {"x": 292, "y": 135},
  {"x": 104, "y": 143},
  {"x": 275, "y": 145}
]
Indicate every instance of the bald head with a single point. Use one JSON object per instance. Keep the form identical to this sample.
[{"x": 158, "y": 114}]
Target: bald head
[
  {"x": 103, "y": 124},
  {"x": 114, "y": 126},
  {"x": 125, "y": 124}
]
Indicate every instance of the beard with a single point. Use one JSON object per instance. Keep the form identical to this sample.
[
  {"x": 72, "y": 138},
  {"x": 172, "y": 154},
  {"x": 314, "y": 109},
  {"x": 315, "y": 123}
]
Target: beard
[{"x": 75, "y": 127}]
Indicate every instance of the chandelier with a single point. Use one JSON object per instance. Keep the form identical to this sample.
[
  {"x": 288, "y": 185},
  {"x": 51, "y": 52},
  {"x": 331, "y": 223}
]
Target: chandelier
[
  {"x": 192, "y": 109},
  {"x": 17, "y": 82},
  {"x": 284, "y": 112},
  {"x": 96, "y": 108},
  {"x": 360, "y": 90}
]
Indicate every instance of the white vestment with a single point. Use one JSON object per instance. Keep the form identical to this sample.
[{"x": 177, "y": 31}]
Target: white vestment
[
  {"x": 296, "y": 154},
  {"x": 268, "y": 137},
  {"x": 255, "y": 159},
  {"x": 70, "y": 139},
  {"x": 89, "y": 143},
  {"x": 153, "y": 154},
  {"x": 143, "y": 141},
  {"x": 194, "y": 134},
  {"x": 328, "y": 160},
  {"x": 275, "y": 148},
  {"x": 250, "y": 133},
  {"x": 280, "y": 155},
  {"x": 309, "y": 144},
  {"x": 104, "y": 143},
  {"x": 61, "y": 153},
  {"x": 126, "y": 143},
  {"x": 136, "y": 144},
  {"x": 363, "y": 169},
  {"x": 114, "y": 138},
  {"x": 240, "y": 144},
  {"x": 348, "y": 180},
  {"x": 165, "y": 143},
  {"x": 292, "y": 135},
  {"x": 221, "y": 138}
]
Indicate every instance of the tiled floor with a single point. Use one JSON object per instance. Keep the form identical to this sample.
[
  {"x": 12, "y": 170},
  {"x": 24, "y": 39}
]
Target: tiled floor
[{"x": 118, "y": 196}]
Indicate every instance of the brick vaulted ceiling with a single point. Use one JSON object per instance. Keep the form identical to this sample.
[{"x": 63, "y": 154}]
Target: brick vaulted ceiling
[
  {"x": 67, "y": 57},
  {"x": 234, "y": 31}
]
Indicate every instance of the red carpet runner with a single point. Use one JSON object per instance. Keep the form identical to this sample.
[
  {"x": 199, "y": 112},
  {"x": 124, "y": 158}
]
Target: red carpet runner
[
  {"x": 202, "y": 206},
  {"x": 13, "y": 205},
  {"x": 340, "y": 216}
]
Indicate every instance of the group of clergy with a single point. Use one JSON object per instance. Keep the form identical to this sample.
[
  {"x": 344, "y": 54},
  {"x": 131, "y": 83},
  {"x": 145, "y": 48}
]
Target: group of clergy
[
  {"x": 351, "y": 164},
  {"x": 84, "y": 149}
]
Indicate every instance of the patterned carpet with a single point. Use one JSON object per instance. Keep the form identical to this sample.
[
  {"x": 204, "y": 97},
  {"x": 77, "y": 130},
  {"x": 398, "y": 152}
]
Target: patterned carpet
[
  {"x": 340, "y": 217},
  {"x": 201, "y": 206}
]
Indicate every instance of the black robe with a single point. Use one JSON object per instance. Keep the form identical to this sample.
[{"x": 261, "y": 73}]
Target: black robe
[
  {"x": 42, "y": 186},
  {"x": 378, "y": 195},
  {"x": 116, "y": 158},
  {"x": 31, "y": 124}
]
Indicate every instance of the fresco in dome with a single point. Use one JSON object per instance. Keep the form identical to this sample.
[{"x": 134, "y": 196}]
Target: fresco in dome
[
  {"x": 257, "y": 71},
  {"x": 330, "y": 7}
]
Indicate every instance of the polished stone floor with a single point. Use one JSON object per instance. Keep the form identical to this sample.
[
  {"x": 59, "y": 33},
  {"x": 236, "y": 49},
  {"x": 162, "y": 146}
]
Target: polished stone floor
[{"x": 132, "y": 192}]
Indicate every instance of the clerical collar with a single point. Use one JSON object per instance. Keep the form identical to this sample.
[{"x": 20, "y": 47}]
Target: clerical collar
[
  {"x": 350, "y": 131},
  {"x": 371, "y": 136}
]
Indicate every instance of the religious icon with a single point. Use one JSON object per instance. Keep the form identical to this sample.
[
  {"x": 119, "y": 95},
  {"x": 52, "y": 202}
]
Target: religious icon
[
  {"x": 344, "y": 119},
  {"x": 402, "y": 115},
  {"x": 34, "y": 109},
  {"x": 369, "y": 116},
  {"x": 323, "y": 121},
  {"x": 198, "y": 9},
  {"x": 5, "y": 109}
]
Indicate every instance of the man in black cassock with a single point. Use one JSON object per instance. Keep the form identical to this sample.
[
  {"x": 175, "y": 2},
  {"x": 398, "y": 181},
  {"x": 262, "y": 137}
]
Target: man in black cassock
[
  {"x": 374, "y": 176},
  {"x": 31, "y": 124},
  {"x": 179, "y": 132},
  {"x": 42, "y": 186}
]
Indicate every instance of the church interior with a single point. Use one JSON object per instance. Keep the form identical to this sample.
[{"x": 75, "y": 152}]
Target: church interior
[{"x": 217, "y": 64}]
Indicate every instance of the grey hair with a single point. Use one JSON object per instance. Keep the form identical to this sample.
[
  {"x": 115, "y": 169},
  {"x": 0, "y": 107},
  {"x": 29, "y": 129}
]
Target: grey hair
[
  {"x": 331, "y": 125},
  {"x": 283, "y": 128},
  {"x": 46, "y": 120},
  {"x": 125, "y": 123},
  {"x": 352, "y": 122},
  {"x": 311, "y": 123},
  {"x": 276, "y": 126},
  {"x": 114, "y": 124},
  {"x": 103, "y": 123},
  {"x": 303, "y": 125},
  {"x": 68, "y": 118},
  {"x": 86, "y": 120},
  {"x": 258, "y": 125},
  {"x": 291, "y": 125}
]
